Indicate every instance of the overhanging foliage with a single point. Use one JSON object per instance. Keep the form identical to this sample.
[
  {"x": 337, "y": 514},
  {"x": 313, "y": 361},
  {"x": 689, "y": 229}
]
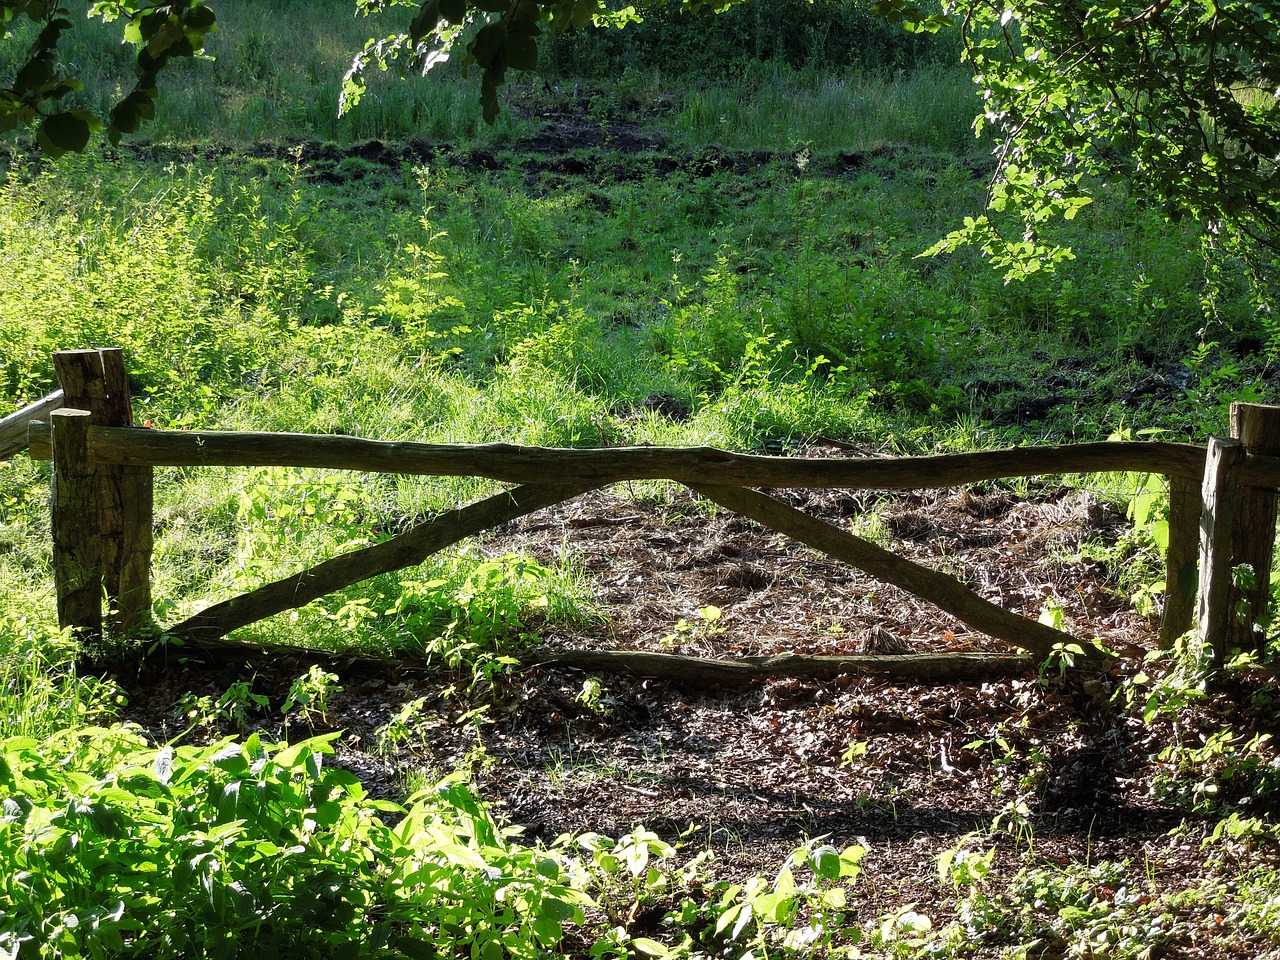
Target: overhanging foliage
[{"x": 1178, "y": 100}]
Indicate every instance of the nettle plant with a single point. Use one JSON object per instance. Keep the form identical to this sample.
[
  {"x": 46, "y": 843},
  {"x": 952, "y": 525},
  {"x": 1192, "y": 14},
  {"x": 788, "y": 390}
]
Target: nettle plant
[
  {"x": 113, "y": 847},
  {"x": 283, "y": 509},
  {"x": 474, "y": 613},
  {"x": 802, "y": 911}
]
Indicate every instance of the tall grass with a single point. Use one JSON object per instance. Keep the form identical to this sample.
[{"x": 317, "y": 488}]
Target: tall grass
[
  {"x": 775, "y": 108},
  {"x": 830, "y": 37},
  {"x": 276, "y": 68}
]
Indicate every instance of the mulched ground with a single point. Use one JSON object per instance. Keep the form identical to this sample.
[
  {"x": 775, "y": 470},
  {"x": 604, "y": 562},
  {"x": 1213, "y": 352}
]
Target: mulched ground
[{"x": 756, "y": 771}]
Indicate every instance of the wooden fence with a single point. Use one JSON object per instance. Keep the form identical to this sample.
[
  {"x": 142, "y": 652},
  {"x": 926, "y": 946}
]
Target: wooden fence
[{"x": 1222, "y": 507}]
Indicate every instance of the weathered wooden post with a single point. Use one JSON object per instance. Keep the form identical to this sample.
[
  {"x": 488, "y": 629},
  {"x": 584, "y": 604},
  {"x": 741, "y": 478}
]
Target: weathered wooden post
[
  {"x": 77, "y": 546},
  {"x": 1220, "y": 495},
  {"x": 95, "y": 380},
  {"x": 1257, "y": 427},
  {"x": 1180, "y": 571}
]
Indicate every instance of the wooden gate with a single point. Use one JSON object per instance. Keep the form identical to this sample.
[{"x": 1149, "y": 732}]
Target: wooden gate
[{"x": 1222, "y": 509}]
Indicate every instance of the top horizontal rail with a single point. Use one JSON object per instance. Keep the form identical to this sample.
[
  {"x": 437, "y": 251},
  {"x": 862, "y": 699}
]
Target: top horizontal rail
[
  {"x": 13, "y": 428},
  {"x": 517, "y": 464}
]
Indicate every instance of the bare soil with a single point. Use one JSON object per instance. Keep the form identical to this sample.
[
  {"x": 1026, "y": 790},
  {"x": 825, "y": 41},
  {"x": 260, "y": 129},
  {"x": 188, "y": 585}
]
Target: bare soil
[{"x": 755, "y": 771}]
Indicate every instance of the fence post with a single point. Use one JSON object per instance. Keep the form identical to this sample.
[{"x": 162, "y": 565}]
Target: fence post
[
  {"x": 95, "y": 380},
  {"x": 1257, "y": 427},
  {"x": 1219, "y": 493},
  {"x": 1180, "y": 574},
  {"x": 77, "y": 546}
]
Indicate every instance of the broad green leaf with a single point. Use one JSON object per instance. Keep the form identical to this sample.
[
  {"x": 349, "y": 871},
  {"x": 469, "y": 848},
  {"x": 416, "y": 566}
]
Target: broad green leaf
[
  {"x": 773, "y": 908},
  {"x": 549, "y": 932},
  {"x": 416, "y": 949},
  {"x": 455, "y": 11},
  {"x": 834, "y": 899},
  {"x": 825, "y": 861},
  {"x": 785, "y": 884},
  {"x": 426, "y": 21},
  {"x": 520, "y": 51},
  {"x": 66, "y": 132},
  {"x": 726, "y": 919},
  {"x": 650, "y": 947},
  {"x": 851, "y": 860}
]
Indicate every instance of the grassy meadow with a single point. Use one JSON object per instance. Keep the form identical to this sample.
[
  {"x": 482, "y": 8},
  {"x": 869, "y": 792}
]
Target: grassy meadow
[{"x": 741, "y": 248}]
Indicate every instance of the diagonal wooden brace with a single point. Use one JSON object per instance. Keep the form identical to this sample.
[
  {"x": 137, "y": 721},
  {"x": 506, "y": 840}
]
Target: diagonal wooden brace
[
  {"x": 407, "y": 549},
  {"x": 940, "y": 589}
]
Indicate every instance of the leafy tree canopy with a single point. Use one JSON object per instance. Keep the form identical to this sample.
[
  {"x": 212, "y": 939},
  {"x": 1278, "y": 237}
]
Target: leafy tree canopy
[{"x": 1176, "y": 97}]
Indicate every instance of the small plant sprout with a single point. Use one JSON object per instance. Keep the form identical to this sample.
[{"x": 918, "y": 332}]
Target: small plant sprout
[
  {"x": 309, "y": 695},
  {"x": 403, "y": 724},
  {"x": 594, "y": 697},
  {"x": 1062, "y": 658},
  {"x": 194, "y": 710},
  {"x": 1053, "y": 614},
  {"x": 239, "y": 702},
  {"x": 907, "y": 926},
  {"x": 685, "y": 632},
  {"x": 963, "y": 867},
  {"x": 802, "y": 910},
  {"x": 856, "y": 751}
]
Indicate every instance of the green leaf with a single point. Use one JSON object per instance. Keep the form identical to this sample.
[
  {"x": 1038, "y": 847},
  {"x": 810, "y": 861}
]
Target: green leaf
[
  {"x": 66, "y": 132},
  {"x": 416, "y": 949},
  {"x": 834, "y": 899},
  {"x": 229, "y": 801},
  {"x": 728, "y": 917},
  {"x": 549, "y": 932},
  {"x": 520, "y": 51},
  {"x": 489, "y": 95},
  {"x": 547, "y": 867},
  {"x": 650, "y": 947},
  {"x": 851, "y": 860},
  {"x": 34, "y": 76},
  {"x": 257, "y": 753},
  {"x": 825, "y": 861},
  {"x": 773, "y": 908},
  {"x": 455, "y": 11},
  {"x": 426, "y": 21},
  {"x": 584, "y": 11},
  {"x": 200, "y": 19},
  {"x": 486, "y": 47}
]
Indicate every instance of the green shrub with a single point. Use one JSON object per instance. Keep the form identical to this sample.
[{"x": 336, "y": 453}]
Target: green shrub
[{"x": 110, "y": 847}]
